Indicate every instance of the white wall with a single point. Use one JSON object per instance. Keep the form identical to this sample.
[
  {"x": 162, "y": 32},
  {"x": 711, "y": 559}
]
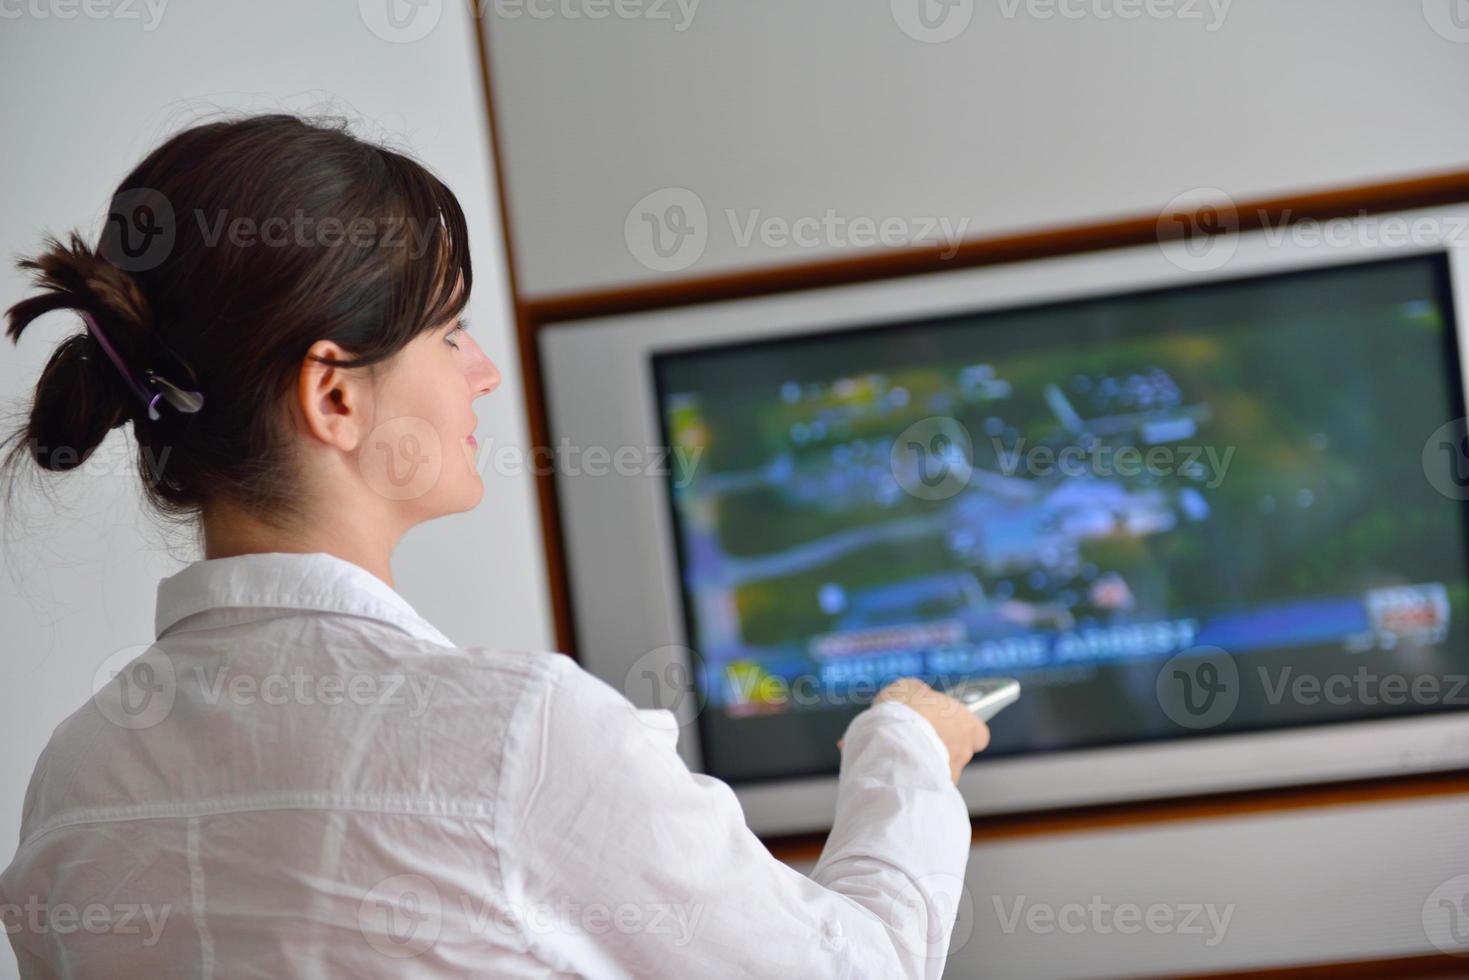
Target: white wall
[
  {"x": 1018, "y": 121},
  {"x": 86, "y": 99}
]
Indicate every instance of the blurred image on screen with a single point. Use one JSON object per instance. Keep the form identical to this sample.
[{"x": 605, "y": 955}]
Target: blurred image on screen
[{"x": 1074, "y": 495}]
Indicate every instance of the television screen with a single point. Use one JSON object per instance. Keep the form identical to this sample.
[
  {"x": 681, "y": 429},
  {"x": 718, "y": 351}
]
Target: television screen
[{"x": 1186, "y": 512}]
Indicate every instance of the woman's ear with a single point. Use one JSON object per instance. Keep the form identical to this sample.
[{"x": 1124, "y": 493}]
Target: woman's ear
[{"x": 334, "y": 402}]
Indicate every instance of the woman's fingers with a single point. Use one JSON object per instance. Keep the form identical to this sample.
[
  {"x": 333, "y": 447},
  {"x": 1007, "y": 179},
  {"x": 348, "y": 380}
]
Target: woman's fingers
[{"x": 981, "y": 735}]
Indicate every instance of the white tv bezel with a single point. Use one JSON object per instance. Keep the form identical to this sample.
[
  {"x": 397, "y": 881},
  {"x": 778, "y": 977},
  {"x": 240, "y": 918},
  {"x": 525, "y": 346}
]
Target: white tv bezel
[{"x": 623, "y": 572}]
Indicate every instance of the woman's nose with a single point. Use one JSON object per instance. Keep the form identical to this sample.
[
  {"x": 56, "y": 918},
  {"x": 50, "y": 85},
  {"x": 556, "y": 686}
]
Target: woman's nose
[{"x": 487, "y": 377}]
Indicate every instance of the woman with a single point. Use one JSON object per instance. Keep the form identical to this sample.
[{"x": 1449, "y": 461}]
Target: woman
[{"x": 302, "y": 776}]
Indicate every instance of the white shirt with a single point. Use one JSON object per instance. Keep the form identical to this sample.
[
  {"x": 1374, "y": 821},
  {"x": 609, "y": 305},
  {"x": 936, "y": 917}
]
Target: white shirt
[{"x": 302, "y": 777}]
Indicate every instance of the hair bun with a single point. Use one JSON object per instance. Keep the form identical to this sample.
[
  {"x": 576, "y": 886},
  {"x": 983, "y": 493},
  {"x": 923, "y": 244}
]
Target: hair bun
[
  {"x": 75, "y": 277},
  {"x": 80, "y": 395}
]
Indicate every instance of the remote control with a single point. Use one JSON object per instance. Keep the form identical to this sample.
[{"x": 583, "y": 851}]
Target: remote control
[{"x": 986, "y": 696}]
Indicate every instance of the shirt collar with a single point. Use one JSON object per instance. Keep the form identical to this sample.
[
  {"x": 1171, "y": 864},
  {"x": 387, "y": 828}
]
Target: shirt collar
[{"x": 286, "y": 580}]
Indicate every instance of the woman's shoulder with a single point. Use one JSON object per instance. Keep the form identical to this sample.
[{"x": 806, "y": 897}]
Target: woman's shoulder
[
  {"x": 425, "y": 721},
  {"x": 490, "y": 674},
  {"x": 543, "y": 674}
]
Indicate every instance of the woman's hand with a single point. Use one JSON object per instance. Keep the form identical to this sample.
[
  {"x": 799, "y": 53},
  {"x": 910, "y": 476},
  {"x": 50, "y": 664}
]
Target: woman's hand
[{"x": 960, "y": 730}]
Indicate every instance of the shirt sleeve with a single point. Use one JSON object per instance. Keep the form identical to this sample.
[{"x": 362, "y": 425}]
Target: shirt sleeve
[{"x": 617, "y": 860}]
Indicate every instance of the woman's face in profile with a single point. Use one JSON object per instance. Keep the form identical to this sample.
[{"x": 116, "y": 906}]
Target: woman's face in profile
[{"x": 422, "y": 451}]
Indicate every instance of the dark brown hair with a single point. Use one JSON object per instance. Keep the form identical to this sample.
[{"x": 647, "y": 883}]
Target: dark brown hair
[{"x": 227, "y": 253}]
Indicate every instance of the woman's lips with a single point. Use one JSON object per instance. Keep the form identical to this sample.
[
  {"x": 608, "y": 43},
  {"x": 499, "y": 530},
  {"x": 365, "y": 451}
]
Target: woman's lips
[{"x": 471, "y": 453}]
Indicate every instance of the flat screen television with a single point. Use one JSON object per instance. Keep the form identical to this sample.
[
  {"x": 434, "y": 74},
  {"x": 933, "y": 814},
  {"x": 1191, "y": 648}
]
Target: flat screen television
[{"x": 1213, "y": 521}]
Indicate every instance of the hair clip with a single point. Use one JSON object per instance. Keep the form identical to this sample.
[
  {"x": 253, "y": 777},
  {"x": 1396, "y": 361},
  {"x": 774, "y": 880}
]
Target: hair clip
[{"x": 182, "y": 400}]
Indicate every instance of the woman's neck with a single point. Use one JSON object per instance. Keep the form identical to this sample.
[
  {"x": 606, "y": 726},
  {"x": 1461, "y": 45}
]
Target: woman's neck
[{"x": 229, "y": 532}]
